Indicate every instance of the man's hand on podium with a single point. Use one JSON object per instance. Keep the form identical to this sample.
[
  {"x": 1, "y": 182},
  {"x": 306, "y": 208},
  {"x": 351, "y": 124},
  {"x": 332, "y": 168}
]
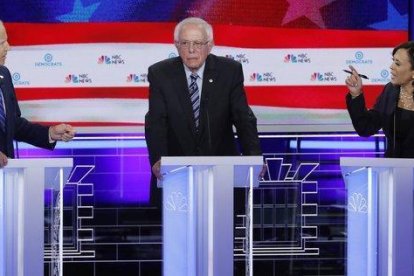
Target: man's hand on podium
[
  {"x": 262, "y": 172},
  {"x": 3, "y": 160},
  {"x": 156, "y": 170}
]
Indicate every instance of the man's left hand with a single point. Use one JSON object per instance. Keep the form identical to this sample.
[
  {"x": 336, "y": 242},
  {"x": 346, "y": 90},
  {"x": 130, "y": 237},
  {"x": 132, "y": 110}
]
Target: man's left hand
[
  {"x": 263, "y": 172},
  {"x": 61, "y": 132}
]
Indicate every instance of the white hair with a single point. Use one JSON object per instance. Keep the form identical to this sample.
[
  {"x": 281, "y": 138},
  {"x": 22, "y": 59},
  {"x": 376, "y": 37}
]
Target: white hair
[{"x": 194, "y": 21}]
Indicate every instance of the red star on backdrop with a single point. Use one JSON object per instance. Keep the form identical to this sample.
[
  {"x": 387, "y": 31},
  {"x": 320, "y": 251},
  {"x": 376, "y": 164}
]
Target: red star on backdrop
[{"x": 307, "y": 8}]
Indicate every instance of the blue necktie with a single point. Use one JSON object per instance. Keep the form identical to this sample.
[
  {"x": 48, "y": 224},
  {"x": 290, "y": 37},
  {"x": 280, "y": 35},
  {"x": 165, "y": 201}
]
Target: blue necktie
[
  {"x": 195, "y": 98},
  {"x": 2, "y": 113}
]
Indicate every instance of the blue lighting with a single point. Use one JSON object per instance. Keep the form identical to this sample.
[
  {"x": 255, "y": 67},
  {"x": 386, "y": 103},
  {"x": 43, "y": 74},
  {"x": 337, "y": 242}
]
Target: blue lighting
[
  {"x": 346, "y": 145},
  {"x": 94, "y": 144}
]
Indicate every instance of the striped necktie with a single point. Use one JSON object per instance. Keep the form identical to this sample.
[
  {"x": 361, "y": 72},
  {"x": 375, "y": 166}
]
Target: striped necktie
[
  {"x": 2, "y": 112},
  {"x": 195, "y": 98}
]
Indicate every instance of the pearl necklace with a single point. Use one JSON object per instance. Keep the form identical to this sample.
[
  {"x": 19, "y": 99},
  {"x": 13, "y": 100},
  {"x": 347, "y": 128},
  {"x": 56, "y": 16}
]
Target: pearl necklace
[{"x": 406, "y": 100}]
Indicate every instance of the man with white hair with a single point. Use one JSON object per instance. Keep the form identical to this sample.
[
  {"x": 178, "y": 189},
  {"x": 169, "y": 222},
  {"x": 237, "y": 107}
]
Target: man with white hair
[
  {"x": 15, "y": 127},
  {"x": 196, "y": 99}
]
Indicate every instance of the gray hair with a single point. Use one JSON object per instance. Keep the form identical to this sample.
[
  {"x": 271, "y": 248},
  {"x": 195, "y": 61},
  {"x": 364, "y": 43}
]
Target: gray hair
[{"x": 194, "y": 21}]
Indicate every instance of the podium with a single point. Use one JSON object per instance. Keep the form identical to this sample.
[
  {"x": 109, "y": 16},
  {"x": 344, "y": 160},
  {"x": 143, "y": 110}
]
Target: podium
[
  {"x": 380, "y": 228},
  {"x": 22, "y": 200},
  {"x": 198, "y": 212}
]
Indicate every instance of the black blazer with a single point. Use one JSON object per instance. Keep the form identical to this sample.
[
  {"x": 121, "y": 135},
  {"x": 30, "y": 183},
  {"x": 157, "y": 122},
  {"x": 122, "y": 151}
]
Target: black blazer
[
  {"x": 17, "y": 127},
  {"x": 169, "y": 124},
  {"x": 368, "y": 122}
]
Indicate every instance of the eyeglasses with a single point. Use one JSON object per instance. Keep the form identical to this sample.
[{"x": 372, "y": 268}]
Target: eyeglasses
[{"x": 187, "y": 44}]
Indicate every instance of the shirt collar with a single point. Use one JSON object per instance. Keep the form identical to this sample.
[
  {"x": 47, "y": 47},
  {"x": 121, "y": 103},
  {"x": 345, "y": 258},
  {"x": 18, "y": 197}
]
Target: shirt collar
[{"x": 199, "y": 72}]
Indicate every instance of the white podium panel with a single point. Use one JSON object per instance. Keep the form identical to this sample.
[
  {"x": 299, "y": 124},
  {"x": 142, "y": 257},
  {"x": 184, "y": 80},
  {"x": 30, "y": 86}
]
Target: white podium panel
[
  {"x": 198, "y": 212},
  {"x": 380, "y": 228},
  {"x": 22, "y": 187}
]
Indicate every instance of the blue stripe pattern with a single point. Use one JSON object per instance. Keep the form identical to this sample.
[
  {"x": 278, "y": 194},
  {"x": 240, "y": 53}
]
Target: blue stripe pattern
[{"x": 195, "y": 98}]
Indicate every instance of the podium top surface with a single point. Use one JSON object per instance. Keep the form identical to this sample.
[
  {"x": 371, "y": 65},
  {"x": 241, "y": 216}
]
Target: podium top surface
[
  {"x": 376, "y": 162},
  {"x": 211, "y": 160},
  {"x": 236, "y": 166},
  {"x": 39, "y": 162}
]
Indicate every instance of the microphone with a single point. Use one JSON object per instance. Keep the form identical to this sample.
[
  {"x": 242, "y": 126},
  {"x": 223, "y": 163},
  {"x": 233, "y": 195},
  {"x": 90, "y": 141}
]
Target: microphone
[
  {"x": 209, "y": 133},
  {"x": 205, "y": 106},
  {"x": 16, "y": 149},
  {"x": 397, "y": 99}
]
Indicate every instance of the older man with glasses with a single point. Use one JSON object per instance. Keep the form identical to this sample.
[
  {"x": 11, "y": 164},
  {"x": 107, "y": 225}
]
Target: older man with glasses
[{"x": 196, "y": 99}]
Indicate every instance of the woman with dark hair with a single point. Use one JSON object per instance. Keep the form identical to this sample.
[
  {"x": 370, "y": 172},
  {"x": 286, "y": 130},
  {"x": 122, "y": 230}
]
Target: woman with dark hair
[{"x": 394, "y": 108}]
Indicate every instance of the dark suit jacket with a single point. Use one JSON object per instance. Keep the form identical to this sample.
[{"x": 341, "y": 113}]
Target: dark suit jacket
[
  {"x": 170, "y": 128},
  {"x": 382, "y": 115},
  {"x": 17, "y": 127}
]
